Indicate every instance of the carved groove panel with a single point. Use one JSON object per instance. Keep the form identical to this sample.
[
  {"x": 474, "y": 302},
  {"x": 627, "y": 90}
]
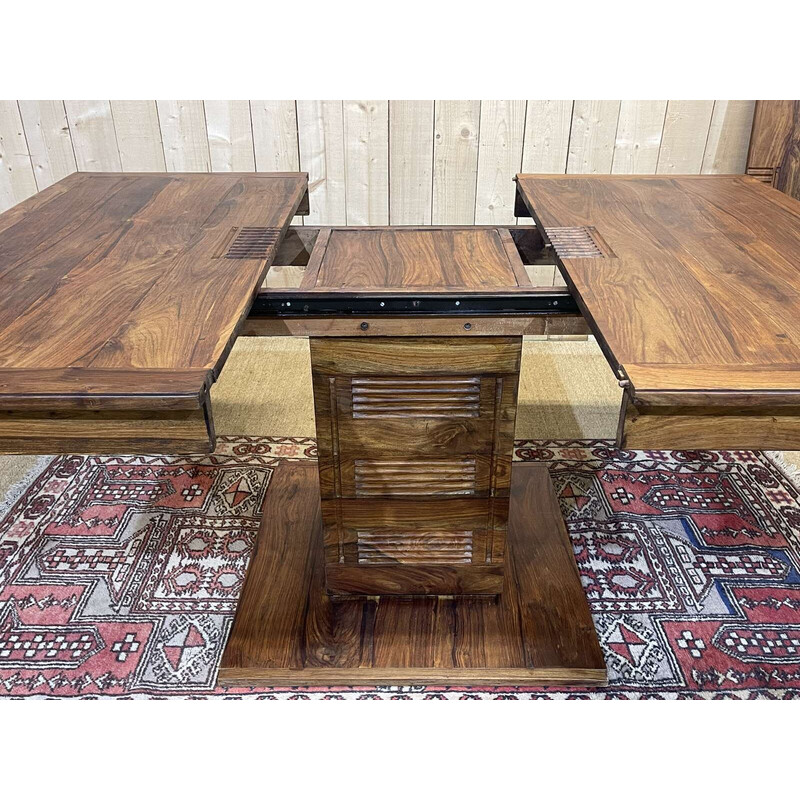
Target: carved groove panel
[
  {"x": 374, "y": 477},
  {"x": 768, "y": 175},
  {"x": 390, "y": 546},
  {"x": 253, "y": 242},
  {"x": 415, "y": 439},
  {"x": 416, "y": 397},
  {"x": 575, "y": 242}
]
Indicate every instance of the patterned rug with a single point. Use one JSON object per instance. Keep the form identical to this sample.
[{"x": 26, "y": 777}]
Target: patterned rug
[{"x": 120, "y": 576}]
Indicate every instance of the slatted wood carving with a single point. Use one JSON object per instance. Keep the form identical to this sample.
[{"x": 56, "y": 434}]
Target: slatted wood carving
[
  {"x": 397, "y": 444},
  {"x": 576, "y": 242},
  {"x": 392, "y": 546},
  {"x": 451, "y": 396},
  {"x": 432, "y": 477},
  {"x": 768, "y": 175},
  {"x": 253, "y": 242}
]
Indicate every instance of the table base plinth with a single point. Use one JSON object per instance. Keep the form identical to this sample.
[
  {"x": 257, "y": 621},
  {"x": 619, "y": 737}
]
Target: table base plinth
[{"x": 289, "y": 631}]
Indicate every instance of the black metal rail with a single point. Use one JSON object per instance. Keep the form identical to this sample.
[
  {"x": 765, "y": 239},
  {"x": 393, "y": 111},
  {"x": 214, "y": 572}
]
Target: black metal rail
[{"x": 294, "y": 304}]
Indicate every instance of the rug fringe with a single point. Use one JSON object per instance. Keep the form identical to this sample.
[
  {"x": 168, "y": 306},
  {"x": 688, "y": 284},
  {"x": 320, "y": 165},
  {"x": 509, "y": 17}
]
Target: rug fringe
[
  {"x": 791, "y": 471},
  {"x": 16, "y": 490}
]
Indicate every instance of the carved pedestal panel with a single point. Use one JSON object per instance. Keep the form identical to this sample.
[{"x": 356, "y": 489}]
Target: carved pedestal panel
[{"x": 415, "y": 442}]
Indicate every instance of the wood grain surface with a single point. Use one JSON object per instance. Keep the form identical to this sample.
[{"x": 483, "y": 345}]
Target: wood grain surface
[
  {"x": 288, "y": 631},
  {"x": 417, "y": 259},
  {"x": 701, "y": 296},
  {"x": 415, "y": 439},
  {"x": 118, "y": 295},
  {"x": 774, "y": 153}
]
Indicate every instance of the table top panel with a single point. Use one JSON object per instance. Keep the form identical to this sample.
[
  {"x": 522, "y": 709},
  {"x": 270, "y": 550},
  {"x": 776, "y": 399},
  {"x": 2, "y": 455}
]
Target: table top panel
[
  {"x": 419, "y": 260},
  {"x": 133, "y": 273},
  {"x": 703, "y": 270}
]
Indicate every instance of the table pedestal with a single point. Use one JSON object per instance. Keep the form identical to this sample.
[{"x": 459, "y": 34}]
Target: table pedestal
[{"x": 290, "y": 631}]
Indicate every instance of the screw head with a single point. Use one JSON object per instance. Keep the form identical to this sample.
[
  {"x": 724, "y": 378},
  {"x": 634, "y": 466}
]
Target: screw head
[
  {"x": 467, "y": 326},
  {"x": 364, "y": 326}
]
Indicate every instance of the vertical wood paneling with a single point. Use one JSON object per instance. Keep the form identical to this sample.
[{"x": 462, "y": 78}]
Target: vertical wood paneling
[
  {"x": 546, "y": 144},
  {"x": 410, "y": 162},
  {"x": 455, "y": 161},
  {"x": 638, "y": 139},
  {"x": 683, "y": 142},
  {"x": 275, "y": 143},
  {"x": 375, "y": 162},
  {"x": 183, "y": 131},
  {"x": 49, "y": 142},
  {"x": 16, "y": 171},
  {"x": 502, "y": 128},
  {"x": 275, "y": 135},
  {"x": 366, "y": 134},
  {"x": 94, "y": 140},
  {"x": 320, "y": 126},
  {"x": 594, "y": 131},
  {"x": 138, "y": 135},
  {"x": 230, "y": 136},
  {"x": 728, "y": 136}
]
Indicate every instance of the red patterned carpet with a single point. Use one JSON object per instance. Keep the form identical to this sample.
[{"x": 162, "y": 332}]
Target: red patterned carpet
[{"x": 120, "y": 576}]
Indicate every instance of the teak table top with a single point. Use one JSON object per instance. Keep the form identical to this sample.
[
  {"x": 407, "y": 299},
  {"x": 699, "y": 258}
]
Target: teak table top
[
  {"x": 125, "y": 291},
  {"x": 692, "y": 283}
]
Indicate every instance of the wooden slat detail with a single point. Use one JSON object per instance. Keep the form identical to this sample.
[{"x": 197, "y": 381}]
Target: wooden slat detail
[
  {"x": 574, "y": 242},
  {"x": 253, "y": 243},
  {"x": 366, "y": 133},
  {"x": 183, "y": 131},
  {"x": 395, "y": 432},
  {"x": 375, "y": 477},
  {"x": 502, "y": 128},
  {"x": 455, "y": 161},
  {"x": 392, "y": 546},
  {"x": 410, "y": 162},
  {"x": 17, "y": 181},
  {"x": 138, "y": 135},
  {"x": 230, "y": 135},
  {"x": 93, "y": 136},
  {"x": 48, "y": 139},
  {"x": 320, "y": 126},
  {"x": 768, "y": 175},
  {"x": 591, "y": 143},
  {"x": 416, "y": 397}
]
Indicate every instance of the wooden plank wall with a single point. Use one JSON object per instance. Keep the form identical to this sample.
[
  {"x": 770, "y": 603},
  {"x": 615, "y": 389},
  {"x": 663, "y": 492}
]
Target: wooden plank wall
[{"x": 374, "y": 162}]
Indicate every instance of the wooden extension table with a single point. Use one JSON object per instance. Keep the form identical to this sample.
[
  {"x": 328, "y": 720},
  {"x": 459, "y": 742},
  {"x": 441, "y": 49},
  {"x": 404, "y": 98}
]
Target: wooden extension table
[{"x": 413, "y": 552}]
